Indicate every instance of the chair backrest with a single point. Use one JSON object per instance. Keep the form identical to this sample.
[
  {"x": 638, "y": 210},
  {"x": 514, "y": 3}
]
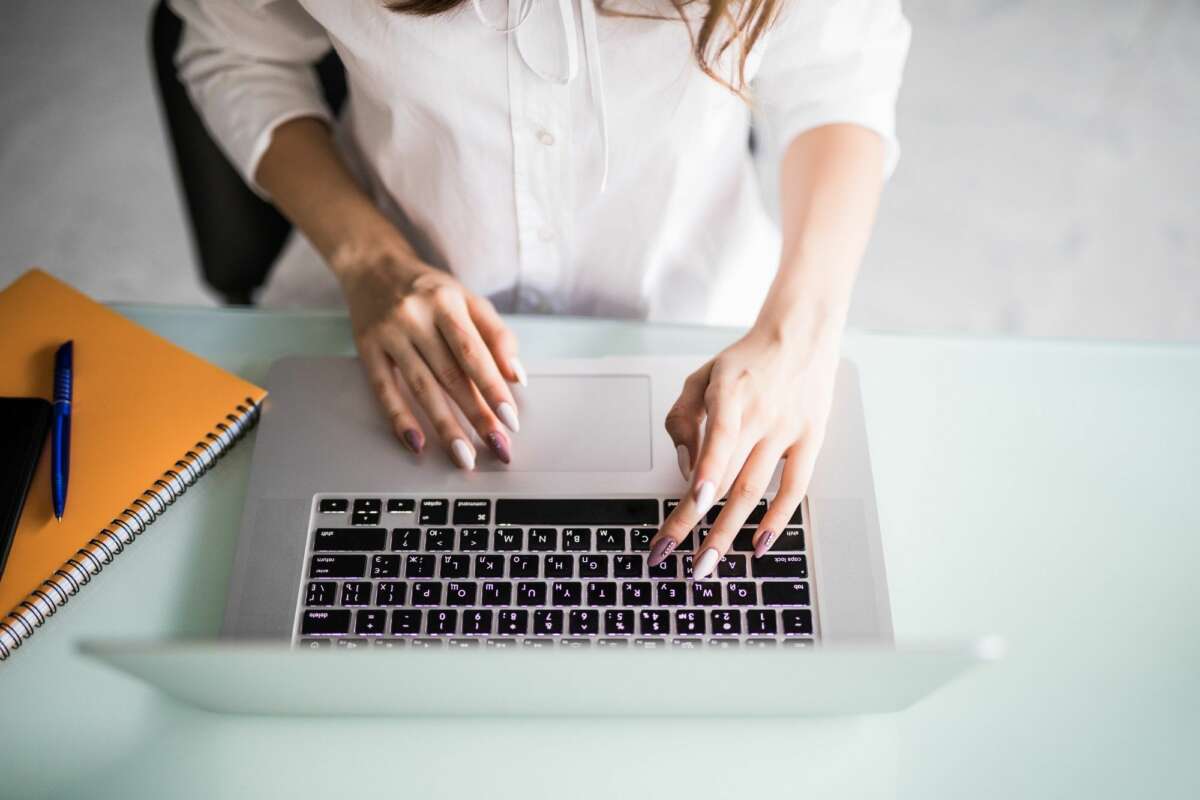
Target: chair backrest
[{"x": 236, "y": 236}]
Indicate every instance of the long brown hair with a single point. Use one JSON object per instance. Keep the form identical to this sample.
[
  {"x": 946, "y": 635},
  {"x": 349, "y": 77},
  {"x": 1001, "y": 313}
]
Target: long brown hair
[{"x": 741, "y": 24}]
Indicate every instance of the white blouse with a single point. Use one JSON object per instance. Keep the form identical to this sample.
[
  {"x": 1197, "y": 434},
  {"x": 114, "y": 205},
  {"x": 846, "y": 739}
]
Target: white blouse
[{"x": 579, "y": 162}]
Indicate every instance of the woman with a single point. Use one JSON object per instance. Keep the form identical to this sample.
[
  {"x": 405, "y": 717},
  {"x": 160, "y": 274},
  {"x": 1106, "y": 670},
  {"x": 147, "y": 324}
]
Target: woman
[{"x": 563, "y": 156}]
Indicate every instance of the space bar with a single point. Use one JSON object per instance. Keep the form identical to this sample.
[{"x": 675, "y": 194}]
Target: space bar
[{"x": 589, "y": 511}]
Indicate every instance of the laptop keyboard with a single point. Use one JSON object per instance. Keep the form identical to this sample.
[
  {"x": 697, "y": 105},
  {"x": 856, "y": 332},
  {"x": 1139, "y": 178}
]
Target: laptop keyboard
[{"x": 404, "y": 571}]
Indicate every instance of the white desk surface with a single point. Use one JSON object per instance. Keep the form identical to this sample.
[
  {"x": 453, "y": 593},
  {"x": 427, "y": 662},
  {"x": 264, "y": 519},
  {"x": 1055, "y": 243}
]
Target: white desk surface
[{"x": 1044, "y": 491}]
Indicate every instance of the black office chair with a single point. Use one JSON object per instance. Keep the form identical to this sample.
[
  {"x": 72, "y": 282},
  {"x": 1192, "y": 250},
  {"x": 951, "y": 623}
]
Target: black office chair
[{"x": 236, "y": 236}]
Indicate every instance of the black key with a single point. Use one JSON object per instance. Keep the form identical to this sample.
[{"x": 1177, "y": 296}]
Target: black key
[
  {"x": 460, "y": 593},
  {"x": 531, "y": 593},
  {"x": 637, "y": 593},
  {"x": 325, "y": 622},
  {"x": 797, "y": 517},
  {"x": 584, "y": 621},
  {"x": 331, "y": 539},
  {"x": 731, "y": 567},
  {"x": 433, "y": 512},
  {"x": 782, "y": 593},
  {"x": 370, "y": 622},
  {"x": 366, "y": 511},
  {"x": 639, "y": 539},
  {"x": 559, "y": 512},
  {"x": 368, "y": 504},
  {"x": 472, "y": 512},
  {"x": 558, "y": 566},
  {"x": 426, "y": 594},
  {"x": 356, "y": 593},
  {"x": 406, "y": 538},
  {"x": 790, "y": 541},
  {"x": 543, "y": 539},
  {"x": 627, "y": 566},
  {"x": 689, "y": 622},
  {"x": 341, "y": 566},
  {"x": 548, "y": 622},
  {"x": 687, "y": 565},
  {"x": 667, "y": 568},
  {"x": 618, "y": 622},
  {"x": 744, "y": 541},
  {"x": 439, "y": 539},
  {"x": 726, "y": 622},
  {"x": 455, "y": 566},
  {"x": 781, "y": 566},
  {"x": 400, "y": 505},
  {"x": 568, "y": 593},
  {"x": 333, "y": 505},
  {"x": 522, "y": 566},
  {"x": 489, "y": 566},
  {"x": 441, "y": 622},
  {"x": 391, "y": 593},
  {"x": 688, "y": 544},
  {"x": 593, "y": 566},
  {"x": 513, "y": 622},
  {"x": 320, "y": 593},
  {"x": 610, "y": 539},
  {"x": 797, "y": 622},
  {"x": 602, "y": 593},
  {"x": 655, "y": 622},
  {"x": 706, "y": 593},
  {"x": 406, "y": 622},
  {"x": 507, "y": 539},
  {"x": 669, "y": 506},
  {"x": 755, "y": 517},
  {"x": 760, "y": 621},
  {"x": 741, "y": 593},
  {"x": 473, "y": 539},
  {"x": 577, "y": 539},
  {"x": 672, "y": 593},
  {"x": 385, "y": 566},
  {"x": 497, "y": 593},
  {"x": 477, "y": 622},
  {"x": 419, "y": 566}
]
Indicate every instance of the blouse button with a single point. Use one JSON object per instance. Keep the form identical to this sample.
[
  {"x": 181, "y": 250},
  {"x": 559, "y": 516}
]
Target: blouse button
[{"x": 545, "y": 137}]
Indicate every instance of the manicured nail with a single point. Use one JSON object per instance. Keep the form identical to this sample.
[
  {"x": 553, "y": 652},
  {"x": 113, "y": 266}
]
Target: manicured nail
[
  {"x": 706, "y": 563},
  {"x": 764, "y": 543},
  {"x": 518, "y": 369},
  {"x": 414, "y": 440},
  {"x": 464, "y": 456},
  {"x": 499, "y": 446},
  {"x": 685, "y": 461},
  {"x": 662, "y": 548},
  {"x": 508, "y": 415},
  {"x": 704, "y": 495}
]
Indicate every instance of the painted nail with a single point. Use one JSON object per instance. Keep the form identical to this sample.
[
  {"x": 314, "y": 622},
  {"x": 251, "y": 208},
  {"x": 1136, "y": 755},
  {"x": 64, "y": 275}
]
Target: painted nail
[
  {"x": 764, "y": 543},
  {"x": 685, "y": 461},
  {"x": 518, "y": 369},
  {"x": 508, "y": 415},
  {"x": 706, "y": 563},
  {"x": 414, "y": 440},
  {"x": 463, "y": 455},
  {"x": 662, "y": 548},
  {"x": 704, "y": 495},
  {"x": 499, "y": 446}
]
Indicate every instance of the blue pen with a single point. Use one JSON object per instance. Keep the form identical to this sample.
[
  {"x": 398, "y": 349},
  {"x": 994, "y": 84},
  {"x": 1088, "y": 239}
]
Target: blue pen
[{"x": 61, "y": 441}]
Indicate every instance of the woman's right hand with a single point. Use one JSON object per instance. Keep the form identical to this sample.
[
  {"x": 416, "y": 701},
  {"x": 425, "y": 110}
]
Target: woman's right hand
[{"x": 417, "y": 325}]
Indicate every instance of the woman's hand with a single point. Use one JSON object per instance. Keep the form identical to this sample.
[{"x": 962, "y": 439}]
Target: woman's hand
[
  {"x": 764, "y": 398},
  {"x": 418, "y": 325}
]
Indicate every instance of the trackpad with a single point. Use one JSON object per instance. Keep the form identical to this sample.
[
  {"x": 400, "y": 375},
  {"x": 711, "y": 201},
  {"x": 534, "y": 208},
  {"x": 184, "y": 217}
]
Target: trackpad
[{"x": 583, "y": 423}]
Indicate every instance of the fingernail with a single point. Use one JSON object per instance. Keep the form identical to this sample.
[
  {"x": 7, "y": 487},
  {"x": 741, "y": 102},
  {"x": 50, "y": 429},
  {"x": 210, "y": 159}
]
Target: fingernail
[
  {"x": 662, "y": 548},
  {"x": 704, "y": 496},
  {"x": 685, "y": 461},
  {"x": 706, "y": 563},
  {"x": 464, "y": 456},
  {"x": 508, "y": 415},
  {"x": 518, "y": 369},
  {"x": 764, "y": 543},
  {"x": 414, "y": 440},
  {"x": 499, "y": 446}
]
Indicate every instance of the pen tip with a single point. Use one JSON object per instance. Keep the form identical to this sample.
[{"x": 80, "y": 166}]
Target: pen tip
[{"x": 58, "y": 517}]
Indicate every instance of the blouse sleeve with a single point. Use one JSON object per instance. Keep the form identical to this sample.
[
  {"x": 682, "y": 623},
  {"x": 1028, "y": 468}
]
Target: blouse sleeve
[
  {"x": 833, "y": 61},
  {"x": 247, "y": 65}
]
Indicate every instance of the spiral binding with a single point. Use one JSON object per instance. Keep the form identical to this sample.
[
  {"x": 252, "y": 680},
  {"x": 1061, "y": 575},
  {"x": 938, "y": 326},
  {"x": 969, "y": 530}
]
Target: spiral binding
[{"x": 44, "y": 601}]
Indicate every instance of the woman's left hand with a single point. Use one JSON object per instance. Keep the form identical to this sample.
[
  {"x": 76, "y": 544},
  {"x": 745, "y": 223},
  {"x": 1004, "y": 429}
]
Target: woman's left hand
[{"x": 764, "y": 398}]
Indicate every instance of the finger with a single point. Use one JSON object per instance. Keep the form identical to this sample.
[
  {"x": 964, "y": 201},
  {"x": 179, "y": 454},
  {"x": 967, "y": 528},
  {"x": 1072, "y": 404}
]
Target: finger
[
  {"x": 500, "y": 340},
  {"x": 793, "y": 485},
  {"x": 428, "y": 393},
  {"x": 721, "y": 439},
  {"x": 684, "y": 418},
  {"x": 477, "y": 362},
  {"x": 744, "y": 494},
  {"x": 382, "y": 375}
]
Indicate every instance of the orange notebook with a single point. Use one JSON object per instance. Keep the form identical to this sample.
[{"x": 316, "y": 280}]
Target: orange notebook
[{"x": 147, "y": 420}]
